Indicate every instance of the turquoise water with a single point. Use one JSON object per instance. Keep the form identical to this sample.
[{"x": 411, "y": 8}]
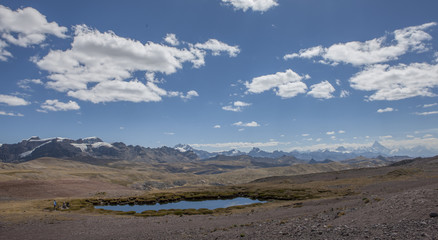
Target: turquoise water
[{"x": 209, "y": 204}]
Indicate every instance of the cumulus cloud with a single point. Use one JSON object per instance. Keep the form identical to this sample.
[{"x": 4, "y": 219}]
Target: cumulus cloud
[
  {"x": 217, "y": 126},
  {"x": 3, "y": 113},
  {"x": 237, "y": 106},
  {"x": 25, "y": 27},
  {"x": 330, "y": 133},
  {"x": 254, "y": 5},
  {"x": 378, "y": 50},
  {"x": 397, "y": 82},
  {"x": 306, "y": 53},
  {"x": 321, "y": 90},
  {"x": 99, "y": 67},
  {"x": 286, "y": 84},
  {"x": 116, "y": 90},
  {"x": 55, "y": 106},
  {"x": 13, "y": 100},
  {"x": 341, "y": 131},
  {"x": 171, "y": 39},
  {"x": 388, "y": 109},
  {"x": 190, "y": 94},
  {"x": 4, "y": 54},
  {"x": 217, "y": 47},
  {"x": 250, "y": 124}
]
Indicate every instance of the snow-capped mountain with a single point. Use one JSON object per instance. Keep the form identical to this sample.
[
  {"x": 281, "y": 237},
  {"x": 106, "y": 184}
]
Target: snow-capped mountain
[
  {"x": 88, "y": 149},
  {"x": 204, "y": 154},
  {"x": 339, "y": 154}
]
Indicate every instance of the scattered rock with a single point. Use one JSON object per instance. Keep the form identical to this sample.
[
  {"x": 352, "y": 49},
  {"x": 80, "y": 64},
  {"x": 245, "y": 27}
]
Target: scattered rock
[{"x": 434, "y": 214}]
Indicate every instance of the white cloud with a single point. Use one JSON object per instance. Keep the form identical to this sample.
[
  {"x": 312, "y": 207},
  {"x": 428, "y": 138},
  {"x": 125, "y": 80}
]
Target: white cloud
[
  {"x": 25, "y": 27},
  {"x": 306, "y": 53},
  {"x": 99, "y": 67},
  {"x": 231, "y": 108},
  {"x": 429, "y": 143},
  {"x": 4, "y": 54},
  {"x": 238, "y": 145},
  {"x": 429, "y": 105},
  {"x": 373, "y": 51},
  {"x": 241, "y": 104},
  {"x": 388, "y": 109},
  {"x": 344, "y": 94},
  {"x": 13, "y": 100},
  {"x": 385, "y": 137},
  {"x": 11, "y": 114},
  {"x": 409, "y": 136},
  {"x": 55, "y": 105},
  {"x": 428, "y": 136},
  {"x": 330, "y": 133},
  {"x": 217, "y": 126},
  {"x": 250, "y": 124},
  {"x": 285, "y": 84},
  {"x": 255, "y": 5},
  {"x": 171, "y": 39},
  {"x": 217, "y": 47},
  {"x": 305, "y": 134},
  {"x": 169, "y": 133},
  {"x": 24, "y": 84},
  {"x": 397, "y": 82},
  {"x": 341, "y": 131},
  {"x": 111, "y": 91},
  {"x": 426, "y": 113},
  {"x": 321, "y": 90},
  {"x": 236, "y": 106},
  {"x": 190, "y": 94}
]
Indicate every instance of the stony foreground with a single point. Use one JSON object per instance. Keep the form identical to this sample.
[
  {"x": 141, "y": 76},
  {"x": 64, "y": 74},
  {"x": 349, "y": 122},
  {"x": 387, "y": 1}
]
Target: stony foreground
[{"x": 397, "y": 210}]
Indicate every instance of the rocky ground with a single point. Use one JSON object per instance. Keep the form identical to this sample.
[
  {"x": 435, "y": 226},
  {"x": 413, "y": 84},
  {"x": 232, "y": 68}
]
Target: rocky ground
[
  {"x": 397, "y": 205},
  {"x": 375, "y": 214}
]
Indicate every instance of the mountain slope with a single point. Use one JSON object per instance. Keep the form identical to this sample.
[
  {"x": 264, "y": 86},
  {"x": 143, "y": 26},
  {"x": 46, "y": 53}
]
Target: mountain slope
[{"x": 91, "y": 150}]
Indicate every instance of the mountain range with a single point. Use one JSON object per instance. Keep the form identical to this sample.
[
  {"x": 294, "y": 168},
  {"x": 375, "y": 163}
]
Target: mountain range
[
  {"x": 94, "y": 150},
  {"x": 91, "y": 149},
  {"x": 341, "y": 153}
]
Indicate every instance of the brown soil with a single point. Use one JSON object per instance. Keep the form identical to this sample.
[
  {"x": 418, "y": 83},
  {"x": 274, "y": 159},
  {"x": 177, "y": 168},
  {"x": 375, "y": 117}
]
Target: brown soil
[
  {"x": 388, "y": 206},
  {"x": 43, "y": 189}
]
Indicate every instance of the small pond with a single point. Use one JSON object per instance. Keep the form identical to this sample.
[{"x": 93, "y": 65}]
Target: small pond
[{"x": 209, "y": 204}]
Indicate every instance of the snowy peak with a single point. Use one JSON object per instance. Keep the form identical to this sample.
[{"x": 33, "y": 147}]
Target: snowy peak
[
  {"x": 90, "y": 140},
  {"x": 91, "y": 149},
  {"x": 379, "y": 148},
  {"x": 183, "y": 147}
]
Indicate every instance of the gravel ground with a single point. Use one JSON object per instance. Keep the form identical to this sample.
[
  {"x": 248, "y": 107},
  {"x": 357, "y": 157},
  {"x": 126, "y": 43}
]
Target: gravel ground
[{"x": 402, "y": 213}]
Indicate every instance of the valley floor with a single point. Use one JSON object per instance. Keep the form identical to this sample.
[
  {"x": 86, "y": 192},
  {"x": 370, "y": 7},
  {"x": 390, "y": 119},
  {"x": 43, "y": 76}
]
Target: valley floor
[{"x": 395, "y": 206}]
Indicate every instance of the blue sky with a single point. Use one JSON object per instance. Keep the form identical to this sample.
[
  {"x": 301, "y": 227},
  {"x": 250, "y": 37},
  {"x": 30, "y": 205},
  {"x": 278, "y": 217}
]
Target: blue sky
[{"x": 221, "y": 74}]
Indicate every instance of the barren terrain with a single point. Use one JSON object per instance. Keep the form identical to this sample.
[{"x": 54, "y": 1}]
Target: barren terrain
[{"x": 392, "y": 202}]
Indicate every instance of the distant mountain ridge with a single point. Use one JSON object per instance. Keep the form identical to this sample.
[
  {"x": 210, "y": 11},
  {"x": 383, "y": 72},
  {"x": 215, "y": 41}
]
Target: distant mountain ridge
[
  {"x": 89, "y": 150},
  {"x": 341, "y": 153},
  {"x": 95, "y": 150}
]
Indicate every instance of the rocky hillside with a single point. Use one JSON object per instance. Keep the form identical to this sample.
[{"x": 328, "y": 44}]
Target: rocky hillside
[{"x": 92, "y": 150}]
